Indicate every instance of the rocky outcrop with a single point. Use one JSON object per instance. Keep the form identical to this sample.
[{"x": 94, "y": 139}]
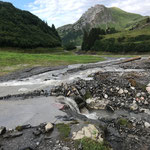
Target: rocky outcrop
[
  {"x": 93, "y": 17},
  {"x": 97, "y": 16}
]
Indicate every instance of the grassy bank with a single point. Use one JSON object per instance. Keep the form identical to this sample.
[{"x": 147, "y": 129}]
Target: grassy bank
[{"x": 12, "y": 61}]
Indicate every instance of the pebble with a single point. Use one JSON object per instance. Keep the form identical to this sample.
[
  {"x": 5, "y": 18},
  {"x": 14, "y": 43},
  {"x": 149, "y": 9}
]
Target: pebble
[
  {"x": 148, "y": 89},
  {"x": 133, "y": 88},
  {"x": 126, "y": 91},
  {"x": 147, "y": 125},
  {"x": 105, "y": 96},
  {"x": 121, "y": 91},
  {"x": 138, "y": 94},
  {"x": 134, "y": 106}
]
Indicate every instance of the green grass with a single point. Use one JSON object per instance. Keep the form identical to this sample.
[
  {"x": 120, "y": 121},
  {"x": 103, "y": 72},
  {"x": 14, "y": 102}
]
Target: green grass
[
  {"x": 129, "y": 34},
  {"x": 11, "y": 61},
  {"x": 64, "y": 130},
  {"x": 89, "y": 144},
  {"x": 124, "y": 122}
]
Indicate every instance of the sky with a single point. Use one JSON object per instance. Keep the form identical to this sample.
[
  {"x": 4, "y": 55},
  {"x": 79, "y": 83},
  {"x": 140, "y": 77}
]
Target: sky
[{"x": 62, "y": 12}]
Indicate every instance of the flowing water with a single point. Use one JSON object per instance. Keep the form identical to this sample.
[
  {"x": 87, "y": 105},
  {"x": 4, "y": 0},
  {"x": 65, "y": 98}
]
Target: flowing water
[{"x": 38, "y": 110}]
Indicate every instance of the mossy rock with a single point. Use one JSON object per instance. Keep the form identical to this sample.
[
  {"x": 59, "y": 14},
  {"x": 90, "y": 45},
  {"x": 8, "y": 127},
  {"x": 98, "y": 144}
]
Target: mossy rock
[
  {"x": 124, "y": 122},
  {"x": 19, "y": 128},
  {"x": 87, "y": 95}
]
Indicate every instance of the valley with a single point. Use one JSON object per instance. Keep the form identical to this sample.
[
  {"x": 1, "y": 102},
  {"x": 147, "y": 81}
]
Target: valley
[{"x": 81, "y": 86}]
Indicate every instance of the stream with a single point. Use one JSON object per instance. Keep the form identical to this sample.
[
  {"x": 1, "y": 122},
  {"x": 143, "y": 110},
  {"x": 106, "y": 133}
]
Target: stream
[{"x": 37, "y": 110}]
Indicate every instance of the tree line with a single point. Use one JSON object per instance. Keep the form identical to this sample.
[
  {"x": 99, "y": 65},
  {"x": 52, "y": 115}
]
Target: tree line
[{"x": 22, "y": 29}]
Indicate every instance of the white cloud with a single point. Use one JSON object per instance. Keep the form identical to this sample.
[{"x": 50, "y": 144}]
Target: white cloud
[
  {"x": 61, "y": 12},
  {"x": 134, "y": 6}
]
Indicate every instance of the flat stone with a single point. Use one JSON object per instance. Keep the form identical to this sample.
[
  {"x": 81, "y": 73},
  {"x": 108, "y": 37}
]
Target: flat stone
[
  {"x": 13, "y": 134},
  {"x": 49, "y": 127}
]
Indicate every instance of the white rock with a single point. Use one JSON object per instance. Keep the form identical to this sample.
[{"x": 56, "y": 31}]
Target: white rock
[
  {"x": 148, "y": 85},
  {"x": 147, "y": 125},
  {"x": 96, "y": 103},
  {"x": 138, "y": 94},
  {"x": 134, "y": 106},
  {"x": 23, "y": 90},
  {"x": 48, "y": 127},
  {"x": 105, "y": 96},
  {"x": 148, "y": 89},
  {"x": 133, "y": 88},
  {"x": 89, "y": 131},
  {"x": 117, "y": 88},
  {"x": 126, "y": 91},
  {"x": 121, "y": 91}
]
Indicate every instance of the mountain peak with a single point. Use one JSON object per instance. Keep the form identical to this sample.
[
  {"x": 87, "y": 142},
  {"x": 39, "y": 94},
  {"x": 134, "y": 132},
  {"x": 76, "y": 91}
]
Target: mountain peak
[
  {"x": 94, "y": 15},
  {"x": 98, "y": 16}
]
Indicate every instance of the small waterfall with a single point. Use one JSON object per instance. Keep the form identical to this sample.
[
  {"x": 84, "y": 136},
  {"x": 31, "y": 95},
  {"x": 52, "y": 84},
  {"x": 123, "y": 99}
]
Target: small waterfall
[
  {"x": 70, "y": 102},
  {"x": 74, "y": 107}
]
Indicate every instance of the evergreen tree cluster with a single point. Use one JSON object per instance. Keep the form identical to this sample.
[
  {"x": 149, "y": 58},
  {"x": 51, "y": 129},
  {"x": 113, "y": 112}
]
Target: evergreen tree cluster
[
  {"x": 22, "y": 29},
  {"x": 95, "y": 34}
]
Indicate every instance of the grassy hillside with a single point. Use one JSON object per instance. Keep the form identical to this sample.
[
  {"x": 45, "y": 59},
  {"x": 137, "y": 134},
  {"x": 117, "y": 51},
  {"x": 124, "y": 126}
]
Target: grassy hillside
[
  {"x": 22, "y": 29},
  {"x": 121, "y": 20},
  {"x": 134, "y": 41}
]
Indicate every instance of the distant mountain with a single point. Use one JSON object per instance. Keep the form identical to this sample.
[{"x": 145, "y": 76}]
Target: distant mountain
[
  {"x": 20, "y": 28},
  {"x": 98, "y": 16}
]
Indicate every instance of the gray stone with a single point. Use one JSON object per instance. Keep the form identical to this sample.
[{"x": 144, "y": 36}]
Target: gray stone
[
  {"x": 65, "y": 148},
  {"x": 2, "y": 130},
  {"x": 13, "y": 134},
  {"x": 83, "y": 92},
  {"x": 138, "y": 94}
]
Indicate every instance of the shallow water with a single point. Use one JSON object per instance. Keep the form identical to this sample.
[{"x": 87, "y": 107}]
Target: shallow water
[
  {"x": 37, "y": 110},
  {"x": 30, "y": 111}
]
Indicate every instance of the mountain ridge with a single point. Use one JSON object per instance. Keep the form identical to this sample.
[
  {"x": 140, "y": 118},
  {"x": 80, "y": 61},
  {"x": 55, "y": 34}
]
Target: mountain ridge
[{"x": 98, "y": 16}]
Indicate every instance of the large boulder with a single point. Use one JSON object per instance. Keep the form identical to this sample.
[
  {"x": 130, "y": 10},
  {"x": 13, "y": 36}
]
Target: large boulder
[{"x": 89, "y": 131}]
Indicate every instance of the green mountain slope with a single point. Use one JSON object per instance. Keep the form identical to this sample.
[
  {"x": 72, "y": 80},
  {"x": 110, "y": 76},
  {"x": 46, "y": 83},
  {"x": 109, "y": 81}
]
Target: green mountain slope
[
  {"x": 22, "y": 29},
  {"x": 134, "y": 41},
  {"x": 99, "y": 16}
]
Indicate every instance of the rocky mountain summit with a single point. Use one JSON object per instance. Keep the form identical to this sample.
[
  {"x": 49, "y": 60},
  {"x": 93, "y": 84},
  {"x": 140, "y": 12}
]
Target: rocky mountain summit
[
  {"x": 91, "y": 18},
  {"x": 97, "y": 16}
]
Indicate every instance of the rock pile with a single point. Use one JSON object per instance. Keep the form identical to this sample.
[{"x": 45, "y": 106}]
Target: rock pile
[{"x": 109, "y": 90}]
